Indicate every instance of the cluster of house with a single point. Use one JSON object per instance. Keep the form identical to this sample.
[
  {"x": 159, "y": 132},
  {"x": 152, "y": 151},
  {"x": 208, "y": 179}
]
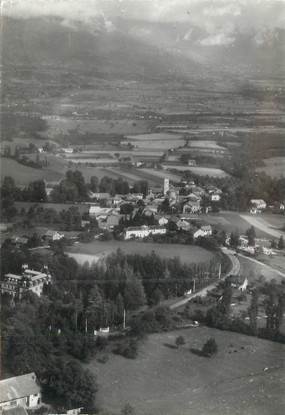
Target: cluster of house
[
  {"x": 29, "y": 280},
  {"x": 186, "y": 199},
  {"x": 179, "y": 222}
]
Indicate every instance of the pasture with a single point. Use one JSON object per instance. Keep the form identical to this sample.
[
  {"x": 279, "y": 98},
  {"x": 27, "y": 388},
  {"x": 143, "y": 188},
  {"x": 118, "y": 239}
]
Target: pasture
[
  {"x": 23, "y": 175},
  {"x": 164, "y": 380},
  {"x": 261, "y": 222},
  {"x": 275, "y": 167},
  {"x": 154, "y": 137},
  {"x": 200, "y": 171},
  {"x": 254, "y": 269},
  {"x": 95, "y": 250},
  {"x": 62, "y": 125}
]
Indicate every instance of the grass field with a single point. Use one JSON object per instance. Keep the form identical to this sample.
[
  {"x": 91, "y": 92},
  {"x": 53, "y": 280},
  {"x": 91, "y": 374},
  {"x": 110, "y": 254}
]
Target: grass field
[
  {"x": 275, "y": 167},
  {"x": 95, "y": 250},
  {"x": 23, "y": 175},
  {"x": 167, "y": 381},
  {"x": 261, "y": 222},
  {"x": 200, "y": 171},
  {"x": 254, "y": 270},
  {"x": 154, "y": 137},
  {"x": 232, "y": 220},
  {"x": 62, "y": 125}
]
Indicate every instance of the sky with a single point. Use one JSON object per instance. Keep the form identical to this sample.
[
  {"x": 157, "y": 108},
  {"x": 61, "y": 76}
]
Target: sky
[{"x": 207, "y": 14}]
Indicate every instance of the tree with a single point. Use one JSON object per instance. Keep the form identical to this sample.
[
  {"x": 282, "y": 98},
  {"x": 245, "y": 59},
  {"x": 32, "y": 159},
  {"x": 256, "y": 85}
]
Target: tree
[
  {"x": 180, "y": 341},
  {"x": 70, "y": 383},
  {"x": 234, "y": 239},
  {"x": 281, "y": 244},
  {"x": 250, "y": 233},
  {"x": 253, "y": 312},
  {"x": 210, "y": 348},
  {"x": 134, "y": 295},
  {"x": 94, "y": 183}
]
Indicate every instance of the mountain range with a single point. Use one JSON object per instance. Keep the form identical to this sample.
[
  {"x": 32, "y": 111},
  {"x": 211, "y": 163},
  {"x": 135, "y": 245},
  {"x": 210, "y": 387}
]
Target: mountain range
[{"x": 128, "y": 47}]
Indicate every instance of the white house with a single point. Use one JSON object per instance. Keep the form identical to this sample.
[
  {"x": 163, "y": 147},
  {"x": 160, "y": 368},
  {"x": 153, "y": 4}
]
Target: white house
[
  {"x": 203, "y": 231},
  {"x": 243, "y": 286},
  {"x": 143, "y": 231},
  {"x": 259, "y": 204},
  {"x": 215, "y": 197},
  {"x": 19, "y": 391},
  {"x": 162, "y": 220}
]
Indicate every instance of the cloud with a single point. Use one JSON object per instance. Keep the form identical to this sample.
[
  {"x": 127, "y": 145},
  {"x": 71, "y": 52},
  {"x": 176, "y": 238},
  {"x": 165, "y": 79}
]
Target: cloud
[
  {"x": 231, "y": 9},
  {"x": 78, "y": 10},
  {"x": 220, "y": 39},
  {"x": 206, "y": 14}
]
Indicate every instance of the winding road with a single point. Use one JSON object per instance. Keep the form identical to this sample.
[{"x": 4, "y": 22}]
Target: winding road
[{"x": 204, "y": 291}]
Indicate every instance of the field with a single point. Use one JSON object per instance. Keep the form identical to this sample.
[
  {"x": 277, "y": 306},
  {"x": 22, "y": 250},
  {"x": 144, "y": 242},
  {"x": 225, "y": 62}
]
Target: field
[
  {"x": 95, "y": 250},
  {"x": 275, "y": 167},
  {"x": 200, "y": 171},
  {"x": 84, "y": 125},
  {"x": 253, "y": 270},
  {"x": 167, "y": 381},
  {"x": 261, "y": 223},
  {"x": 155, "y": 137},
  {"x": 23, "y": 175}
]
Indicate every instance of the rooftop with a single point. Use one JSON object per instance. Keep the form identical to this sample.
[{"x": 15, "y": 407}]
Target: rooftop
[{"x": 19, "y": 387}]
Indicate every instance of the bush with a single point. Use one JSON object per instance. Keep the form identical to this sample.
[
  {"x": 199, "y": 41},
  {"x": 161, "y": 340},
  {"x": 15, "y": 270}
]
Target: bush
[
  {"x": 210, "y": 348},
  {"x": 180, "y": 341},
  {"x": 129, "y": 350}
]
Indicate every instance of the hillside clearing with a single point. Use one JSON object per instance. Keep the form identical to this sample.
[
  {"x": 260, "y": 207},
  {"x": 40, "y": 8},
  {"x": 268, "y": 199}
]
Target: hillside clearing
[{"x": 167, "y": 381}]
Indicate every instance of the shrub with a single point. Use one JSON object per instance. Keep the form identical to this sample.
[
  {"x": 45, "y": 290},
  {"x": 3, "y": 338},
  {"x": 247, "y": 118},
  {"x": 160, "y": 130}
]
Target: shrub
[
  {"x": 180, "y": 341},
  {"x": 210, "y": 348}
]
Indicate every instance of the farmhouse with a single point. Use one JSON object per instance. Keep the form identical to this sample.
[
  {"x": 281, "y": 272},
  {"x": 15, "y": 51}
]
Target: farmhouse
[
  {"x": 238, "y": 282},
  {"x": 143, "y": 231},
  {"x": 99, "y": 212},
  {"x": 162, "y": 220},
  {"x": 19, "y": 241},
  {"x": 183, "y": 225},
  {"x": 99, "y": 196},
  {"x": 51, "y": 235},
  {"x": 192, "y": 206},
  {"x": 30, "y": 280},
  {"x": 203, "y": 231},
  {"x": 191, "y": 162},
  {"x": 215, "y": 197},
  {"x": 20, "y": 391},
  {"x": 258, "y": 204}
]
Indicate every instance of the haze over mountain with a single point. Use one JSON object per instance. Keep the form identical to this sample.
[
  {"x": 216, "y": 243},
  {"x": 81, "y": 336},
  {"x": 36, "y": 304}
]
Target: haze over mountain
[{"x": 145, "y": 35}]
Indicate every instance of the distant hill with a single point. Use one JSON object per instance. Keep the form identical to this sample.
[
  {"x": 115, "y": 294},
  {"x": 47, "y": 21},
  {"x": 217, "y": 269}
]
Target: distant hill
[
  {"x": 47, "y": 42},
  {"x": 129, "y": 48}
]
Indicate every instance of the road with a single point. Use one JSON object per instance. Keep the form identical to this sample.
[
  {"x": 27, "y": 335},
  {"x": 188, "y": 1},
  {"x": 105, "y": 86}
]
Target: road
[{"x": 204, "y": 291}]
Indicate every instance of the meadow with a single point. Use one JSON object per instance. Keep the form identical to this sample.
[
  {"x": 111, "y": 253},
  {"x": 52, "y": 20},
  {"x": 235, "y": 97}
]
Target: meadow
[
  {"x": 23, "y": 175},
  {"x": 62, "y": 125},
  {"x": 200, "y": 171},
  {"x": 275, "y": 167},
  {"x": 246, "y": 377},
  {"x": 95, "y": 250}
]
